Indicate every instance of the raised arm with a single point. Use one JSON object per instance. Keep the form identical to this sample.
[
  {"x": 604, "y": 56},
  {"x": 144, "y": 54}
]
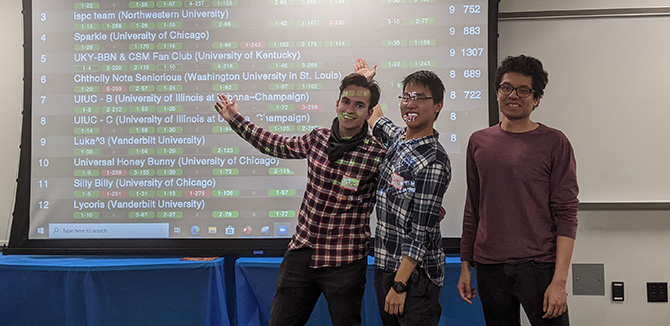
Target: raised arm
[
  {"x": 361, "y": 67},
  {"x": 376, "y": 115},
  {"x": 264, "y": 141}
]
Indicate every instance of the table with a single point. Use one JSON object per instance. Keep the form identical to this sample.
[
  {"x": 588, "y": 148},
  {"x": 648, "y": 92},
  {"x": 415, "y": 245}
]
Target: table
[
  {"x": 103, "y": 290},
  {"x": 255, "y": 286}
]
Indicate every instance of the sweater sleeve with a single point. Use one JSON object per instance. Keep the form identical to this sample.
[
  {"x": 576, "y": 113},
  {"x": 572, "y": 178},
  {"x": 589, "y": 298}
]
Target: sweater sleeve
[
  {"x": 471, "y": 213},
  {"x": 563, "y": 200}
]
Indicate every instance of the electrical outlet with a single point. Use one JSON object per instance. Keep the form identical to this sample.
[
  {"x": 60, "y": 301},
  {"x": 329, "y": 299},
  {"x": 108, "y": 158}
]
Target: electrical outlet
[{"x": 657, "y": 291}]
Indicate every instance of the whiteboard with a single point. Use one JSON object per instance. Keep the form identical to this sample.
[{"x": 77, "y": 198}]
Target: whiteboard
[{"x": 607, "y": 91}]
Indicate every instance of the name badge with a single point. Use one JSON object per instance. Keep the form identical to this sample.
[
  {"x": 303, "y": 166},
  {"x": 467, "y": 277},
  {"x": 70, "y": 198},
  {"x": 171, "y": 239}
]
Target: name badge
[
  {"x": 397, "y": 181},
  {"x": 350, "y": 183}
]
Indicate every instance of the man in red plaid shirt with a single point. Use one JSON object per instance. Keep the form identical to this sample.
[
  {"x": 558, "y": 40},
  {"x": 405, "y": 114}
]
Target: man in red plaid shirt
[{"x": 328, "y": 251}]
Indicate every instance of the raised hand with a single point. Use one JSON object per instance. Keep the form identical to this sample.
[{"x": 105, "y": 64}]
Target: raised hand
[
  {"x": 362, "y": 68},
  {"x": 225, "y": 107}
]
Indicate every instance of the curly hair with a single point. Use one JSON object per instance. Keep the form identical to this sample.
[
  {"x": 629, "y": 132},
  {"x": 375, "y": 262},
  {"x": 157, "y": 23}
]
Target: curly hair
[{"x": 527, "y": 66}]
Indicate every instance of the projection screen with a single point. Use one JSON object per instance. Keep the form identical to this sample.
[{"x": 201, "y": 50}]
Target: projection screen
[{"x": 122, "y": 151}]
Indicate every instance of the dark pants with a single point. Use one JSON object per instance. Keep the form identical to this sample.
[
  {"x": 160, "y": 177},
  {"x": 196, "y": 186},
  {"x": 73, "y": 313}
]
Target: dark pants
[
  {"x": 503, "y": 287},
  {"x": 422, "y": 303},
  {"x": 299, "y": 288}
]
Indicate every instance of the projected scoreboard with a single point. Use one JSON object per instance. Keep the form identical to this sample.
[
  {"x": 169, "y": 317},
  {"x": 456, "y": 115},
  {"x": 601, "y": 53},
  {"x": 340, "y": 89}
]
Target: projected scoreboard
[{"x": 125, "y": 143}]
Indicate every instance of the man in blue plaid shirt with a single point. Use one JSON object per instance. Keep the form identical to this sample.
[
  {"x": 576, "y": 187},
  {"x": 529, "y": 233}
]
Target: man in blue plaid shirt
[
  {"x": 328, "y": 251},
  {"x": 414, "y": 176}
]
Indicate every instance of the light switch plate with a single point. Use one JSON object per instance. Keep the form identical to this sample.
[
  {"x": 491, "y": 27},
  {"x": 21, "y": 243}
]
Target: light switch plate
[{"x": 588, "y": 279}]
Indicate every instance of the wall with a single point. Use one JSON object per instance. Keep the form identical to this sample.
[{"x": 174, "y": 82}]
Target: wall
[
  {"x": 11, "y": 84},
  {"x": 542, "y": 5},
  {"x": 626, "y": 127},
  {"x": 633, "y": 246}
]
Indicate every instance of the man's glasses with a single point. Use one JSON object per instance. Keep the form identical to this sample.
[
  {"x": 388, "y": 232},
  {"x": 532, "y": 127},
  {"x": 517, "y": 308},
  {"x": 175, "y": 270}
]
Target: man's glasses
[
  {"x": 405, "y": 98},
  {"x": 507, "y": 89}
]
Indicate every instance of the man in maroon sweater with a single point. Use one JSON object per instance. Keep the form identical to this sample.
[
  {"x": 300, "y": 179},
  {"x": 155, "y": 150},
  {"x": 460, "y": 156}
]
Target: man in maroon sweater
[{"x": 520, "y": 218}]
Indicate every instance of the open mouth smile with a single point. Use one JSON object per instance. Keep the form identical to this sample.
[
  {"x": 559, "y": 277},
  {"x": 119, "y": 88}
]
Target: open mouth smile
[
  {"x": 347, "y": 115},
  {"x": 410, "y": 117}
]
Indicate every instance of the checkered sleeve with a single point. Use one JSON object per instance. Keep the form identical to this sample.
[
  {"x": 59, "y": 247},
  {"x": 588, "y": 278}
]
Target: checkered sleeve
[
  {"x": 431, "y": 184},
  {"x": 271, "y": 143},
  {"x": 386, "y": 131}
]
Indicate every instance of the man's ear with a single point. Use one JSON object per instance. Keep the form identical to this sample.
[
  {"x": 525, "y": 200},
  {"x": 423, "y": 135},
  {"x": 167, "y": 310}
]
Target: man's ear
[
  {"x": 370, "y": 112},
  {"x": 536, "y": 102},
  {"x": 439, "y": 107}
]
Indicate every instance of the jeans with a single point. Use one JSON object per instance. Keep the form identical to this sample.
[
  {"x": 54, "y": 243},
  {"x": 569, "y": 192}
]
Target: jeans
[
  {"x": 503, "y": 287},
  {"x": 422, "y": 303},
  {"x": 299, "y": 288}
]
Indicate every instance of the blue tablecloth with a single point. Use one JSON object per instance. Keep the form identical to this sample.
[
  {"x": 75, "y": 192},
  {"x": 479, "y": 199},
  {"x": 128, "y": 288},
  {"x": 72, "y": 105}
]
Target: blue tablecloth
[
  {"x": 255, "y": 285},
  {"x": 95, "y": 290}
]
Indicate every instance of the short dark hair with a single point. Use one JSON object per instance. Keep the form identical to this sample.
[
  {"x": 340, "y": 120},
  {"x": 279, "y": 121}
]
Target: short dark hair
[
  {"x": 428, "y": 79},
  {"x": 357, "y": 79},
  {"x": 527, "y": 66}
]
